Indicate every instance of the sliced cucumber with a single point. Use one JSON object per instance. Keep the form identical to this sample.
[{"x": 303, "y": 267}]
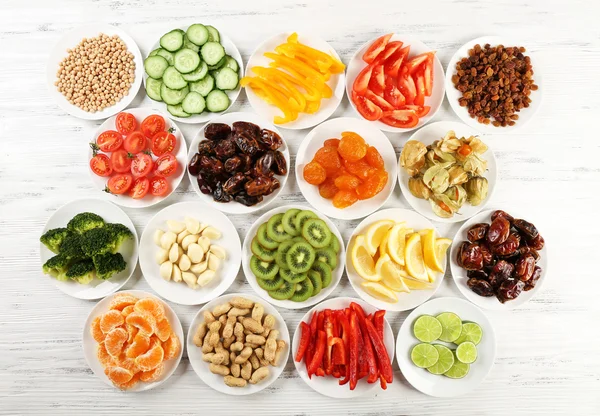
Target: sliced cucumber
[
  {"x": 197, "y": 74},
  {"x": 172, "y": 41},
  {"x": 186, "y": 60},
  {"x": 155, "y": 66},
  {"x": 167, "y": 55},
  {"x": 231, "y": 63},
  {"x": 212, "y": 53},
  {"x": 154, "y": 52},
  {"x": 173, "y": 97},
  {"x": 173, "y": 79},
  {"x": 198, "y": 34},
  {"x": 204, "y": 86},
  {"x": 189, "y": 45},
  {"x": 177, "y": 111},
  {"x": 226, "y": 79},
  {"x": 153, "y": 88},
  {"x": 193, "y": 103},
  {"x": 217, "y": 101},
  {"x": 213, "y": 34},
  {"x": 218, "y": 65}
]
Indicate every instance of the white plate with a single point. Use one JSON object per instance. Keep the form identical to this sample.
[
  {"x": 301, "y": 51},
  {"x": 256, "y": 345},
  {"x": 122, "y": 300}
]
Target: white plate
[
  {"x": 129, "y": 249},
  {"x": 180, "y": 153},
  {"x": 453, "y": 94},
  {"x": 90, "y": 345},
  {"x": 304, "y": 120},
  {"x": 180, "y": 292},
  {"x": 231, "y": 50},
  {"x": 417, "y": 47},
  {"x": 427, "y": 135},
  {"x": 333, "y": 129},
  {"x": 71, "y": 40},
  {"x": 406, "y": 301},
  {"x": 234, "y": 207},
  {"x": 328, "y": 385},
  {"x": 288, "y": 304},
  {"x": 460, "y": 275},
  {"x": 439, "y": 385},
  {"x": 216, "y": 381}
]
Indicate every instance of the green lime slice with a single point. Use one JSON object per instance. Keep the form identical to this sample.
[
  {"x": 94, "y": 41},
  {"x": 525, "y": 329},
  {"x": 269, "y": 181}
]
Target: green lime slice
[
  {"x": 427, "y": 328},
  {"x": 466, "y": 352},
  {"x": 458, "y": 370},
  {"x": 451, "y": 326},
  {"x": 470, "y": 332},
  {"x": 424, "y": 355},
  {"x": 444, "y": 362}
]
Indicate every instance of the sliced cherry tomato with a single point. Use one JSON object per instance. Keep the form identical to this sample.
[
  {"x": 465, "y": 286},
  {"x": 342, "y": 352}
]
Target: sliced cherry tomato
[
  {"x": 428, "y": 75},
  {"x": 420, "y": 110},
  {"x": 416, "y": 61},
  {"x": 119, "y": 184},
  {"x": 394, "y": 62},
  {"x": 376, "y": 48},
  {"x": 367, "y": 108},
  {"x": 420, "y": 84},
  {"x": 465, "y": 150},
  {"x": 163, "y": 142},
  {"x": 378, "y": 101},
  {"x": 109, "y": 141},
  {"x": 141, "y": 165},
  {"x": 152, "y": 125},
  {"x": 400, "y": 118},
  {"x": 361, "y": 83},
  {"x": 100, "y": 165},
  {"x": 158, "y": 186},
  {"x": 126, "y": 123},
  {"x": 377, "y": 82},
  {"x": 166, "y": 165},
  {"x": 407, "y": 87},
  {"x": 135, "y": 142},
  {"x": 121, "y": 161},
  {"x": 392, "y": 94},
  {"x": 140, "y": 188}
]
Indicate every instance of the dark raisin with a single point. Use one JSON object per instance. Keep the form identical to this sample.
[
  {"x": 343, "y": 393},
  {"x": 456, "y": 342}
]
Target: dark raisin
[{"x": 217, "y": 131}]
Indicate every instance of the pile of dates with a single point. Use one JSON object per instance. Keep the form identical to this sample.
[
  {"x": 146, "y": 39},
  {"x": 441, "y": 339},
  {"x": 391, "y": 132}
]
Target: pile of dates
[
  {"x": 501, "y": 257},
  {"x": 238, "y": 163}
]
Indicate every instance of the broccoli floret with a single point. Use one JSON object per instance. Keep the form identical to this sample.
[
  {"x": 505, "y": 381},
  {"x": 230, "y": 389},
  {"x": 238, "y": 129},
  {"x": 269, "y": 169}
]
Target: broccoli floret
[
  {"x": 82, "y": 272},
  {"x": 53, "y": 238},
  {"x": 71, "y": 247},
  {"x": 57, "y": 267},
  {"x": 120, "y": 234},
  {"x": 97, "y": 241},
  {"x": 84, "y": 222},
  {"x": 108, "y": 264}
]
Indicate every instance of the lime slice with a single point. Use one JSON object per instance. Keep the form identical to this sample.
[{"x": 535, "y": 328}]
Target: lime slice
[
  {"x": 470, "y": 332},
  {"x": 444, "y": 362},
  {"x": 458, "y": 370},
  {"x": 451, "y": 326},
  {"x": 424, "y": 355},
  {"x": 427, "y": 328},
  {"x": 466, "y": 352}
]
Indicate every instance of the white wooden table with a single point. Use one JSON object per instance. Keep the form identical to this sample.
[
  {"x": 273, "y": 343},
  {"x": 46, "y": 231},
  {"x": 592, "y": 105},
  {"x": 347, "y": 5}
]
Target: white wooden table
[{"x": 548, "y": 360}]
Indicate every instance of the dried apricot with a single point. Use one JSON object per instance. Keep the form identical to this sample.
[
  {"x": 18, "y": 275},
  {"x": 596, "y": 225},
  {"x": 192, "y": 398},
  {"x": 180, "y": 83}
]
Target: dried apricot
[
  {"x": 152, "y": 375},
  {"x": 328, "y": 158},
  {"x": 115, "y": 340},
  {"x": 95, "y": 330},
  {"x": 110, "y": 320},
  {"x": 121, "y": 300},
  {"x": 172, "y": 347},
  {"x": 373, "y": 158},
  {"x": 328, "y": 189},
  {"x": 348, "y": 182},
  {"x": 151, "y": 359},
  {"x": 332, "y": 143},
  {"x": 163, "y": 330},
  {"x": 373, "y": 185},
  {"x": 127, "y": 310},
  {"x": 314, "y": 173},
  {"x": 143, "y": 321},
  {"x": 352, "y": 147},
  {"x": 131, "y": 383},
  {"x": 361, "y": 168},
  {"x": 140, "y": 344},
  {"x": 343, "y": 199},
  {"x": 103, "y": 356},
  {"x": 118, "y": 375},
  {"x": 152, "y": 306}
]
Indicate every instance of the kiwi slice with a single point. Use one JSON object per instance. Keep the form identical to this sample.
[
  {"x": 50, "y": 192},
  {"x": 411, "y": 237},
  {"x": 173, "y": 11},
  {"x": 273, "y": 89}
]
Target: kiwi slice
[
  {"x": 326, "y": 255},
  {"x": 304, "y": 290},
  {"x": 298, "y": 238},
  {"x": 316, "y": 232},
  {"x": 301, "y": 218},
  {"x": 281, "y": 252},
  {"x": 335, "y": 244},
  {"x": 324, "y": 271},
  {"x": 283, "y": 292},
  {"x": 261, "y": 252},
  {"x": 264, "y": 239},
  {"x": 300, "y": 257},
  {"x": 288, "y": 221},
  {"x": 272, "y": 284},
  {"x": 263, "y": 269},
  {"x": 290, "y": 276},
  {"x": 275, "y": 229},
  {"x": 315, "y": 279}
]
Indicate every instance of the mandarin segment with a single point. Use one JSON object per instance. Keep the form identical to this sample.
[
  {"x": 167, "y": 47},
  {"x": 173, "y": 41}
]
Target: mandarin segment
[
  {"x": 132, "y": 331},
  {"x": 374, "y": 158},
  {"x": 111, "y": 320},
  {"x": 152, "y": 375},
  {"x": 343, "y": 199},
  {"x": 127, "y": 310},
  {"x": 95, "y": 330},
  {"x": 172, "y": 347},
  {"x": 103, "y": 356},
  {"x": 140, "y": 344},
  {"x": 115, "y": 340},
  {"x": 118, "y": 375},
  {"x": 151, "y": 359},
  {"x": 163, "y": 330},
  {"x": 131, "y": 383},
  {"x": 314, "y": 173},
  {"x": 127, "y": 363},
  {"x": 347, "y": 182},
  {"x": 144, "y": 321},
  {"x": 122, "y": 300},
  {"x": 151, "y": 306},
  {"x": 352, "y": 147}
]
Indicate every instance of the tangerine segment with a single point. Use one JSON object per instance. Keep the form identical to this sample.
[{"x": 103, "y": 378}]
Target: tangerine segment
[
  {"x": 128, "y": 364},
  {"x": 374, "y": 158},
  {"x": 328, "y": 158},
  {"x": 152, "y": 375},
  {"x": 118, "y": 375},
  {"x": 151, "y": 359},
  {"x": 373, "y": 185},
  {"x": 154, "y": 341},
  {"x": 132, "y": 331},
  {"x": 95, "y": 330},
  {"x": 151, "y": 306},
  {"x": 328, "y": 189},
  {"x": 140, "y": 344},
  {"x": 172, "y": 347},
  {"x": 343, "y": 199},
  {"x": 361, "y": 169},
  {"x": 352, "y": 147},
  {"x": 110, "y": 320},
  {"x": 103, "y": 356},
  {"x": 127, "y": 310},
  {"x": 347, "y": 182},
  {"x": 332, "y": 143},
  {"x": 314, "y": 173},
  {"x": 143, "y": 321},
  {"x": 115, "y": 340},
  {"x": 121, "y": 300},
  {"x": 163, "y": 330},
  {"x": 131, "y": 383}
]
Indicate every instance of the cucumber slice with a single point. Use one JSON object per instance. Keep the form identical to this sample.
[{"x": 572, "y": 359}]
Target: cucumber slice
[
  {"x": 231, "y": 63},
  {"x": 173, "y": 79},
  {"x": 186, "y": 60},
  {"x": 212, "y": 53},
  {"x": 218, "y": 65},
  {"x": 193, "y": 103},
  {"x": 154, "y": 52},
  {"x": 204, "y": 86},
  {"x": 153, "y": 88},
  {"x": 189, "y": 45},
  {"x": 177, "y": 111},
  {"x": 197, "y": 74},
  {"x": 173, "y": 97},
  {"x": 213, "y": 34},
  {"x": 172, "y": 41},
  {"x": 217, "y": 101},
  {"x": 155, "y": 66},
  {"x": 198, "y": 34},
  {"x": 167, "y": 55},
  {"x": 227, "y": 79}
]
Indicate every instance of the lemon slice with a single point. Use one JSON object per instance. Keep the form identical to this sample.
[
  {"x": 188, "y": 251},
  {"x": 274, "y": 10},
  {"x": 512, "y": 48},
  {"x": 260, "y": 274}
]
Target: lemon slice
[
  {"x": 362, "y": 260},
  {"x": 375, "y": 234},
  {"x": 414, "y": 284},
  {"x": 397, "y": 241},
  {"x": 391, "y": 274},
  {"x": 380, "y": 292},
  {"x": 429, "y": 250},
  {"x": 383, "y": 245},
  {"x": 441, "y": 246},
  {"x": 413, "y": 256}
]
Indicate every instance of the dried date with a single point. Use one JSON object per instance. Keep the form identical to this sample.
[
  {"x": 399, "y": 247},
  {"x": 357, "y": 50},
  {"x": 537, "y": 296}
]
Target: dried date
[
  {"x": 502, "y": 271},
  {"x": 245, "y": 199},
  {"x": 530, "y": 284},
  {"x": 275, "y": 184},
  {"x": 235, "y": 183},
  {"x": 258, "y": 186},
  {"x": 488, "y": 257},
  {"x": 477, "y": 232},
  {"x": 220, "y": 195},
  {"x": 194, "y": 165},
  {"x": 246, "y": 143},
  {"x": 481, "y": 287},
  {"x": 499, "y": 231},
  {"x": 225, "y": 149},
  {"x": 509, "y": 290},
  {"x": 211, "y": 165},
  {"x": 503, "y": 214},
  {"x": 526, "y": 228},
  {"x": 524, "y": 267},
  {"x": 471, "y": 257},
  {"x": 509, "y": 247},
  {"x": 536, "y": 243},
  {"x": 233, "y": 164},
  {"x": 217, "y": 131},
  {"x": 246, "y": 127},
  {"x": 206, "y": 148},
  {"x": 262, "y": 167},
  {"x": 477, "y": 274},
  {"x": 529, "y": 250},
  {"x": 204, "y": 185},
  {"x": 269, "y": 139},
  {"x": 280, "y": 164}
]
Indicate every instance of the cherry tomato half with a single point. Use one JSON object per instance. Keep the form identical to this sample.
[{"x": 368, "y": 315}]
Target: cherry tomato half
[
  {"x": 126, "y": 123},
  {"x": 119, "y": 184},
  {"x": 121, "y": 161},
  {"x": 141, "y": 165},
  {"x": 109, "y": 141},
  {"x": 166, "y": 165},
  {"x": 140, "y": 188},
  {"x": 100, "y": 165},
  {"x": 163, "y": 142},
  {"x": 158, "y": 186},
  {"x": 135, "y": 142},
  {"x": 152, "y": 125}
]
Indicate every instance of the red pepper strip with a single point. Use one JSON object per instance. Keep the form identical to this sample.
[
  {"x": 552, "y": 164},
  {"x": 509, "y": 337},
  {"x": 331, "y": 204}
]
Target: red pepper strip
[
  {"x": 359, "y": 310},
  {"x": 345, "y": 324},
  {"x": 339, "y": 354},
  {"x": 385, "y": 367},
  {"x": 321, "y": 320},
  {"x": 354, "y": 339},
  {"x": 382, "y": 383},
  {"x": 370, "y": 364},
  {"x": 313, "y": 324},
  {"x": 305, "y": 339},
  {"x": 363, "y": 366},
  {"x": 320, "y": 372},
  {"x": 317, "y": 358},
  {"x": 310, "y": 350},
  {"x": 328, "y": 352},
  {"x": 378, "y": 322},
  {"x": 336, "y": 373}
]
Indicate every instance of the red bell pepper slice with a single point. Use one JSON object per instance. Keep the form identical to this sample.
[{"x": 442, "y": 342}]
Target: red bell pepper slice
[
  {"x": 317, "y": 358},
  {"x": 363, "y": 368},
  {"x": 310, "y": 350},
  {"x": 328, "y": 324},
  {"x": 304, "y": 341},
  {"x": 354, "y": 339},
  {"x": 385, "y": 367},
  {"x": 369, "y": 357},
  {"x": 321, "y": 321},
  {"x": 378, "y": 322},
  {"x": 345, "y": 332}
]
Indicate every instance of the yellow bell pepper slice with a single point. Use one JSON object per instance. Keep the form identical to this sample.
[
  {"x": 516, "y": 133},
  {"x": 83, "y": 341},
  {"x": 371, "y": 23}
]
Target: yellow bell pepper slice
[
  {"x": 312, "y": 106},
  {"x": 317, "y": 64},
  {"x": 293, "y": 38},
  {"x": 275, "y": 77},
  {"x": 272, "y": 97},
  {"x": 336, "y": 65},
  {"x": 312, "y": 92},
  {"x": 300, "y": 67}
]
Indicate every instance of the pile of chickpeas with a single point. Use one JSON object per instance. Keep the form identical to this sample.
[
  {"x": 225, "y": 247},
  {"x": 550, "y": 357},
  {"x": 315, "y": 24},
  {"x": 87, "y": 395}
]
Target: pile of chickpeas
[{"x": 97, "y": 73}]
